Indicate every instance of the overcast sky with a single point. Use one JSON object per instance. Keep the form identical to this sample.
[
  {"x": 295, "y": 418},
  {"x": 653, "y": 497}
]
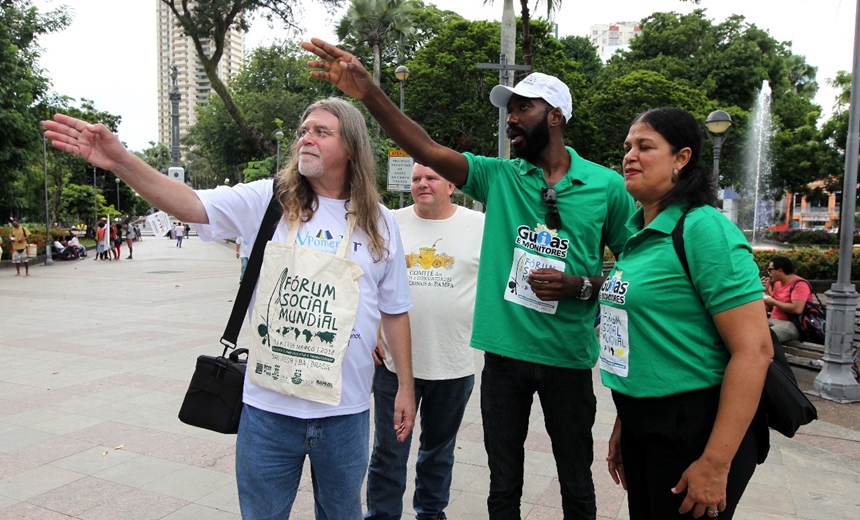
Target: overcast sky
[{"x": 108, "y": 53}]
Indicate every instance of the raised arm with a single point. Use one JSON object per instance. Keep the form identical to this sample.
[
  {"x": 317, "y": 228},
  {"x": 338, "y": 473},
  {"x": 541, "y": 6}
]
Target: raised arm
[
  {"x": 98, "y": 146},
  {"x": 344, "y": 71}
]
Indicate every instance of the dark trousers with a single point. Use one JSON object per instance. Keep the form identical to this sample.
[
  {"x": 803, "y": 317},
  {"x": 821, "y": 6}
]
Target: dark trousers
[
  {"x": 569, "y": 406},
  {"x": 661, "y": 437}
]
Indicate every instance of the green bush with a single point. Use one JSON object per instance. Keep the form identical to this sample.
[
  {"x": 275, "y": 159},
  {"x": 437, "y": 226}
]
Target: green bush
[
  {"x": 811, "y": 263},
  {"x": 806, "y": 237}
]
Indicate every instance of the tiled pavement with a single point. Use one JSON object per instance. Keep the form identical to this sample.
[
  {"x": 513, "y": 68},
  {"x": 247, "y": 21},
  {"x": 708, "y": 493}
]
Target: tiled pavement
[{"x": 96, "y": 357}]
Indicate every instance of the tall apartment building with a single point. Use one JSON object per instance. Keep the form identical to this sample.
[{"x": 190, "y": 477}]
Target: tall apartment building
[
  {"x": 610, "y": 38},
  {"x": 174, "y": 48}
]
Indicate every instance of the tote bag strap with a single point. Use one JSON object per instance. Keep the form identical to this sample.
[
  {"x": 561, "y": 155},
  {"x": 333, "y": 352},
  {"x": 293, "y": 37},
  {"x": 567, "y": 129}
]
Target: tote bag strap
[{"x": 252, "y": 273}]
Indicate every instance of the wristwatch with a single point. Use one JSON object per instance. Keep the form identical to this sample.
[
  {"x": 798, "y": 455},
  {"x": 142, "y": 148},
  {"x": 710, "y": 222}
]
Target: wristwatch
[{"x": 586, "y": 289}]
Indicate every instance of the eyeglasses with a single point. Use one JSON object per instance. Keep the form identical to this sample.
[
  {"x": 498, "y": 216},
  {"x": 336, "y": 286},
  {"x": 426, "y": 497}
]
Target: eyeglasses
[
  {"x": 552, "y": 218},
  {"x": 769, "y": 269},
  {"x": 317, "y": 133}
]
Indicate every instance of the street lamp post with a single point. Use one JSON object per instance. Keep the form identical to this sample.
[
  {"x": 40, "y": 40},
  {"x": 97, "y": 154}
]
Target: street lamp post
[
  {"x": 279, "y": 136},
  {"x": 402, "y": 74},
  {"x": 48, "y": 244},
  {"x": 835, "y": 381},
  {"x": 117, "y": 196},
  {"x": 717, "y": 126}
]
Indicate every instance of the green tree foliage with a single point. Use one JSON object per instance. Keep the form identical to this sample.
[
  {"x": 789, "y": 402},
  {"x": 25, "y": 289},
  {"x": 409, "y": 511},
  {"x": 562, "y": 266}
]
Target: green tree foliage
[
  {"x": 22, "y": 86},
  {"x": 449, "y": 96},
  {"x": 581, "y": 50},
  {"x": 207, "y": 24},
  {"x": 727, "y": 63},
  {"x": 157, "y": 156},
  {"x": 622, "y": 98},
  {"x": 427, "y": 21},
  {"x": 378, "y": 23},
  {"x": 78, "y": 204},
  {"x": 273, "y": 90},
  {"x": 835, "y": 129}
]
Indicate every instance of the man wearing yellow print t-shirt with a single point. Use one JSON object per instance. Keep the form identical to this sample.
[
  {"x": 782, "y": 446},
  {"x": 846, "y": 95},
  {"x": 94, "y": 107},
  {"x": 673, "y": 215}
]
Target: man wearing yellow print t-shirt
[
  {"x": 442, "y": 242},
  {"x": 19, "y": 237}
]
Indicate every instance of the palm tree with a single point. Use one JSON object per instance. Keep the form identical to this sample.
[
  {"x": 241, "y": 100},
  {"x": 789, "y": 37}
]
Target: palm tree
[{"x": 377, "y": 23}]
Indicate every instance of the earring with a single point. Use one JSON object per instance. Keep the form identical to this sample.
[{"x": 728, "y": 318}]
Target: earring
[{"x": 674, "y": 175}]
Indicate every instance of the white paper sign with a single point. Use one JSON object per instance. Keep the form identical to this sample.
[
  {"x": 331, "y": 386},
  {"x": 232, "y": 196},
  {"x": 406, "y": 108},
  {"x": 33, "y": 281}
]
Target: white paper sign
[
  {"x": 399, "y": 170},
  {"x": 159, "y": 223}
]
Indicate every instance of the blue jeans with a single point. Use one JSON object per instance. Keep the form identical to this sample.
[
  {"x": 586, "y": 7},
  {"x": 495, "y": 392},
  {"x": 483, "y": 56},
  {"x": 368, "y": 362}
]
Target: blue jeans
[
  {"x": 271, "y": 449},
  {"x": 441, "y": 404},
  {"x": 569, "y": 406}
]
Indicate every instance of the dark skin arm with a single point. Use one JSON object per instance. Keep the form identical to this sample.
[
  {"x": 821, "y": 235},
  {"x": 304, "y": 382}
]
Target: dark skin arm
[
  {"x": 344, "y": 71},
  {"x": 552, "y": 285}
]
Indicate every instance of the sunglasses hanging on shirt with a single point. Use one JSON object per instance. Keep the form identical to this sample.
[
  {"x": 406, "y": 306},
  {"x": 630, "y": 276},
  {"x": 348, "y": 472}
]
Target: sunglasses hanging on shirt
[{"x": 553, "y": 217}]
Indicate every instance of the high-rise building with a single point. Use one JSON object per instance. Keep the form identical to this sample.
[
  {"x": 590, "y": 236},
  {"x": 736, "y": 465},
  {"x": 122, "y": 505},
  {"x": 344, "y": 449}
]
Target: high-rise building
[
  {"x": 610, "y": 38},
  {"x": 176, "y": 49}
]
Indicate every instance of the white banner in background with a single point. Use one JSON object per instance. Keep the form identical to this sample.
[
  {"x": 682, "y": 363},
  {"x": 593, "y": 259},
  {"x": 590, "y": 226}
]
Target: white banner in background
[{"x": 159, "y": 223}]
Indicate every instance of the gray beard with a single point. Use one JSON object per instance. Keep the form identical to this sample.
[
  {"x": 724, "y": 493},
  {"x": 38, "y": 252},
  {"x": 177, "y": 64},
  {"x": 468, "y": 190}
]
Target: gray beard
[{"x": 311, "y": 170}]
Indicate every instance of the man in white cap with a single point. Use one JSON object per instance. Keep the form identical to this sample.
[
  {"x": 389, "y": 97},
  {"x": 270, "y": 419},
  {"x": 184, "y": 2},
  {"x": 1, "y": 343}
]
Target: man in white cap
[{"x": 549, "y": 215}]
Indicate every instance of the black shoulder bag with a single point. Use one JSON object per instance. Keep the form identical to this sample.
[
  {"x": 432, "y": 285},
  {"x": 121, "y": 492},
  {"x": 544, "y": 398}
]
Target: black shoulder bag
[
  {"x": 214, "y": 397},
  {"x": 786, "y": 406}
]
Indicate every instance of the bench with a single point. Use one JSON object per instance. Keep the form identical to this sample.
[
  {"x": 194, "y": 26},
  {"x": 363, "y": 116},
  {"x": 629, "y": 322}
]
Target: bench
[{"x": 808, "y": 355}]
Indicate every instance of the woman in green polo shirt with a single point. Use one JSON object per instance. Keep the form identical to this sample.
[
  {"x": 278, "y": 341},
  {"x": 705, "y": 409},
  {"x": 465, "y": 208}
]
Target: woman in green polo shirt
[{"x": 685, "y": 356}]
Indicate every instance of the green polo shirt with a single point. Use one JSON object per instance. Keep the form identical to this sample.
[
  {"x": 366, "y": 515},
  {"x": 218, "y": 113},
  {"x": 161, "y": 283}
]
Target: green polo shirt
[
  {"x": 594, "y": 206},
  {"x": 657, "y": 335}
]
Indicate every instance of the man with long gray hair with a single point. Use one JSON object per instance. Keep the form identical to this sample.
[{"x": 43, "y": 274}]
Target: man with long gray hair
[{"x": 332, "y": 272}]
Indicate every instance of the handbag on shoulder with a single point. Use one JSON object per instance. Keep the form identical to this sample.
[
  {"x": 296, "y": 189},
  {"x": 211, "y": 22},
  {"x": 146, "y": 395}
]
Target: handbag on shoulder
[
  {"x": 214, "y": 397},
  {"x": 786, "y": 406}
]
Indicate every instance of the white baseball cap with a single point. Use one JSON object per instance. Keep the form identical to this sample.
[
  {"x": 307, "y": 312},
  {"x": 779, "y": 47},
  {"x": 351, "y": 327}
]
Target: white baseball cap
[{"x": 537, "y": 85}]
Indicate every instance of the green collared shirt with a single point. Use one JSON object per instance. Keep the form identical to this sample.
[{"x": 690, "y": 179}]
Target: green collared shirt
[
  {"x": 594, "y": 207},
  {"x": 657, "y": 334}
]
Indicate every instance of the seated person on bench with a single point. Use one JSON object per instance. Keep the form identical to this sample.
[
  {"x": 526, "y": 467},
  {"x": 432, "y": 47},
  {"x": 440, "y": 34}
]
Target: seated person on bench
[
  {"x": 785, "y": 293},
  {"x": 72, "y": 241},
  {"x": 64, "y": 252}
]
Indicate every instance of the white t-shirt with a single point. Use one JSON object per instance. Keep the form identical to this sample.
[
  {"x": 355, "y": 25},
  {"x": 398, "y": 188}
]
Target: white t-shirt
[
  {"x": 238, "y": 211},
  {"x": 178, "y": 231},
  {"x": 244, "y": 247},
  {"x": 443, "y": 280}
]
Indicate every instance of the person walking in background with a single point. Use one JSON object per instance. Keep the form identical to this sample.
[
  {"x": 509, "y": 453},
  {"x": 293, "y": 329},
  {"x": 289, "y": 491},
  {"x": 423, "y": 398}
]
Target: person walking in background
[
  {"x": 187, "y": 230},
  {"x": 352, "y": 258},
  {"x": 20, "y": 236},
  {"x": 101, "y": 248},
  {"x": 442, "y": 242},
  {"x": 549, "y": 215},
  {"x": 687, "y": 434},
  {"x": 178, "y": 232},
  {"x": 243, "y": 253},
  {"x": 118, "y": 238},
  {"x": 129, "y": 238},
  {"x": 785, "y": 293}
]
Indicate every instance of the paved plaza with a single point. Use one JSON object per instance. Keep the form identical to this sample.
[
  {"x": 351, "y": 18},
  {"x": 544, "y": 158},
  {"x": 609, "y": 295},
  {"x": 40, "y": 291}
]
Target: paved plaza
[{"x": 96, "y": 357}]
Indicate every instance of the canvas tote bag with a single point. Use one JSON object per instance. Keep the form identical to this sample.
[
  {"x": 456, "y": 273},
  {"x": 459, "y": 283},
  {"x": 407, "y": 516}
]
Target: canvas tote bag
[{"x": 303, "y": 317}]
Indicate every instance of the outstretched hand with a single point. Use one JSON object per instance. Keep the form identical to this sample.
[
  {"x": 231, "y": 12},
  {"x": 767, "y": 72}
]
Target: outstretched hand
[
  {"x": 338, "y": 67},
  {"x": 93, "y": 143}
]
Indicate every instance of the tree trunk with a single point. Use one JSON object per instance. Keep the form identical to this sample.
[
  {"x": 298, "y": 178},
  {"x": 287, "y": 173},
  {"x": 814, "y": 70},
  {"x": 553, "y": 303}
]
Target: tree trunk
[
  {"x": 263, "y": 143},
  {"x": 527, "y": 39},
  {"x": 377, "y": 58}
]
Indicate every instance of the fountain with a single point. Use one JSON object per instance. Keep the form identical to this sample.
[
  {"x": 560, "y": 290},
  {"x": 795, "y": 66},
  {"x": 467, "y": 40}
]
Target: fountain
[{"x": 757, "y": 164}]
